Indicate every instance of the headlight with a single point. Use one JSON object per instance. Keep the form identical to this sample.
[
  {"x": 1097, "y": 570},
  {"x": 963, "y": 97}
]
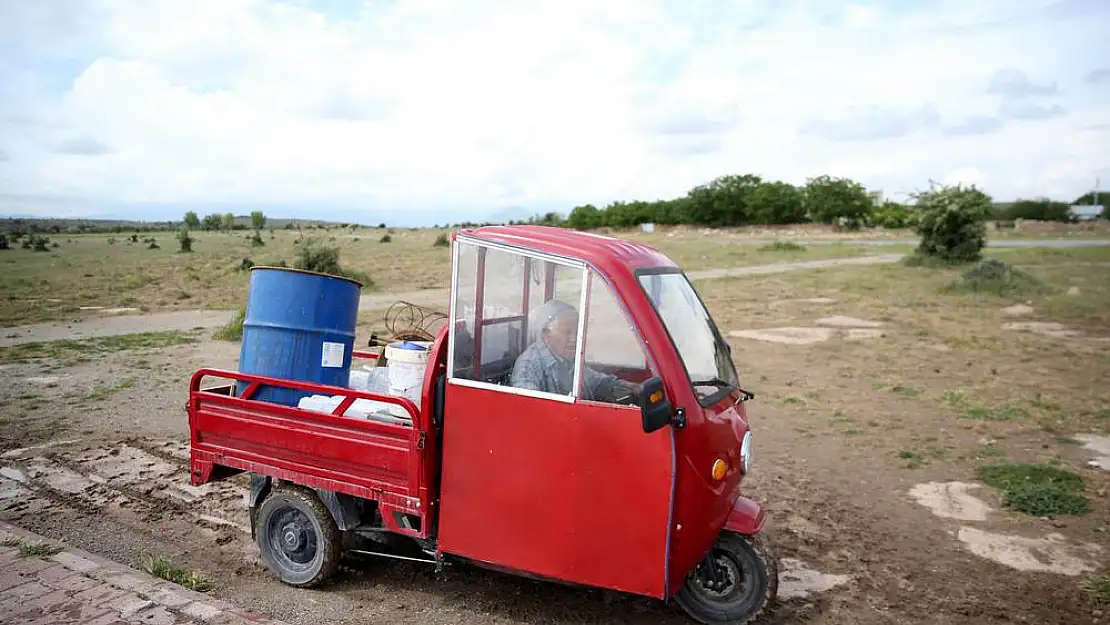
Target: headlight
[{"x": 746, "y": 453}]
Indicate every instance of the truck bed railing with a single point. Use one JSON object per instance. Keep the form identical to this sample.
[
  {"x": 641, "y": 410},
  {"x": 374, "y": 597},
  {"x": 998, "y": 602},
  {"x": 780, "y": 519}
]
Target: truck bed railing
[{"x": 231, "y": 432}]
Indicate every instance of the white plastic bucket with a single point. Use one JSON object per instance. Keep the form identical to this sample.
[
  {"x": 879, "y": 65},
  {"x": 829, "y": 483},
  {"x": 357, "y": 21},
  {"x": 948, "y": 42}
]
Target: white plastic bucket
[{"x": 407, "y": 362}]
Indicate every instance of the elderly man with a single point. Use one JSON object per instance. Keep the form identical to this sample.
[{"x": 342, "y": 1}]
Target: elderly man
[{"x": 548, "y": 363}]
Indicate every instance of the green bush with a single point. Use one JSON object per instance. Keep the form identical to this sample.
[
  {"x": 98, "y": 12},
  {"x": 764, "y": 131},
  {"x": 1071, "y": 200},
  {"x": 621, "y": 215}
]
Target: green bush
[
  {"x": 441, "y": 241},
  {"x": 313, "y": 255},
  {"x": 951, "y": 224},
  {"x": 893, "y": 215},
  {"x": 39, "y": 244},
  {"x": 386, "y": 239},
  {"x": 185, "y": 240},
  {"x": 4, "y": 244},
  {"x": 995, "y": 277},
  {"x": 782, "y": 246},
  {"x": 256, "y": 240}
]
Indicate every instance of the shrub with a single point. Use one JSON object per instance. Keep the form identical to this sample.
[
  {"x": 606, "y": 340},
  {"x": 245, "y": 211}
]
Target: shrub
[
  {"x": 134, "y": 238},
  {"x": 4, "y": 244},
  {"x": 39, "y": 244},
  {"x": 386, "y": 239},
  {"x": 316, "y": 256},
  {"x": 111, "y": 240},
  {"x": 232, "y": 330},
  {"x": 441, "y": 241},
  {"x": 256, "y": 240},
  {"x": 246, "y": 264},
  {"x": 153, "y": 245},
  {"x": 185, "y": 240},
  {"x": 951, "y": 224},
  {"x": 782, "y": 246},
  {"x": 893, "y": 215},
  {"x": 995, "y": 277}
]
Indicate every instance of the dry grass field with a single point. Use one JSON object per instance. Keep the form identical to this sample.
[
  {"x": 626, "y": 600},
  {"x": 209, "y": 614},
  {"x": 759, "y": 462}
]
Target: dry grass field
[
  {"x": 90, "y": 275},
  {"x": 904, "y": 430}
]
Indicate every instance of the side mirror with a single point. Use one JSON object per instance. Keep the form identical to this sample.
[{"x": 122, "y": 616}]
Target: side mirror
[{"x": 655, "y": 409}]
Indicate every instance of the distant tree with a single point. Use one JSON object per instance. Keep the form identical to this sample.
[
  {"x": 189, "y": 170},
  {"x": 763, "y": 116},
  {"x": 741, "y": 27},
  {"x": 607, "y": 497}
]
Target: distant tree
[
  {"x": 382, "y": 225},
  {"x": 893, "y": 215},
  {"x": 585, "y": 217},
  {"x": 838, "y": 201},
  {"x": 1089, "y": 199},
  {"x": 212, "y": 221},
  {"x": 1042, "y": 209},
  {"x": 228, "y": 221},
  {"x": 192, "y": 222},
  {"x": 775, "y": 203},
  {"x": 258, "y": 220},
  {"x": 951, "y": 223},
  {"x": 722, "y": 202}
]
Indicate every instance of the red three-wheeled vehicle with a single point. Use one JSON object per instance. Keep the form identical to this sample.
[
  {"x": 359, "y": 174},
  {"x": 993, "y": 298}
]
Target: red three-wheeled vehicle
[{"x": 581, "y": 420}]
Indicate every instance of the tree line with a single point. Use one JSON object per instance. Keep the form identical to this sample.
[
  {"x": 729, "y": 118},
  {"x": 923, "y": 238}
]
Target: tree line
[{"x": 749, "y": 199}]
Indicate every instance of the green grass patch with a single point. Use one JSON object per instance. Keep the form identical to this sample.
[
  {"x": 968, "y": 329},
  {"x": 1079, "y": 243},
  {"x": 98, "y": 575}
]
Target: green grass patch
[
  {"x": 232, "y": 330},
  {"x": 1097, "y": 588},
  {"x": 1037, "y": 489},
  {"x": 979, "y": 412},
  {"x": 38, "y": 550},
  {"x": 164, "y": 569},
  {"x": 911, "y": 459},
  {"x": 83, "y": 349}
]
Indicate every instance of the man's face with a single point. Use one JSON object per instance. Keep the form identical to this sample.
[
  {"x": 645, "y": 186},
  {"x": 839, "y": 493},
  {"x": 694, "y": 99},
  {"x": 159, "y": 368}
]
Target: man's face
[{"x": 562, "y": 335}]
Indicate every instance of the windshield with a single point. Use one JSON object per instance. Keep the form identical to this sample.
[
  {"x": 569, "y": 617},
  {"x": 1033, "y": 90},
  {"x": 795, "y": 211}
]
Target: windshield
[{"x": 700, "y": 346}]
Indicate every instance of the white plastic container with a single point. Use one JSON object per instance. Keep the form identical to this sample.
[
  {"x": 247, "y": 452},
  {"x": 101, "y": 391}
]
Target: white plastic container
[
  {"x": 360, "y": 379},
  {"x": 407, "y": 362}
]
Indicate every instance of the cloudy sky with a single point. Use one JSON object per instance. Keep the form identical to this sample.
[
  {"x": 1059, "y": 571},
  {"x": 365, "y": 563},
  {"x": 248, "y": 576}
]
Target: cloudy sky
[{"x": 424, "y": 111}]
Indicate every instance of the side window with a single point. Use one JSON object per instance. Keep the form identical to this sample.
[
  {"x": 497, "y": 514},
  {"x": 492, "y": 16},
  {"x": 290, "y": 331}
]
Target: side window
[
  {"x": 613, "y": 355},
  {"x": 489, "y": 315},
  {"x": 516, "y": 320}
]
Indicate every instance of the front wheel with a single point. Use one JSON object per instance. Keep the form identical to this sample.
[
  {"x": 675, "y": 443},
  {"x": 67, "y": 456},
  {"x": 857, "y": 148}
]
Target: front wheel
[
  {"x": 297, "y": 537},
  {"x": 737, "y": 579}
]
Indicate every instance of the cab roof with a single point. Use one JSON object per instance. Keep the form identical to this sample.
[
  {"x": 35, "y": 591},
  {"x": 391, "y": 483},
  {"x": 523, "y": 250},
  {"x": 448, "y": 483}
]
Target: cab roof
[{"x": 596, "y": 250}]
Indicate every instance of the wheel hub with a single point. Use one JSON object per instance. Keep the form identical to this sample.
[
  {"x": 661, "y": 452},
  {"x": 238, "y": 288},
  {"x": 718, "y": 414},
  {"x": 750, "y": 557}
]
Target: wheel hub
[
  {"x": 293, "y": 537},
  {"x": 718, "y": 576}
]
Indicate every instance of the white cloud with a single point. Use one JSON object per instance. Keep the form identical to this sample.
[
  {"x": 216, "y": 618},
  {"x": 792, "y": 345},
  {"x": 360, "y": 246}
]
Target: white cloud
[{"x": 437, "y": 107}]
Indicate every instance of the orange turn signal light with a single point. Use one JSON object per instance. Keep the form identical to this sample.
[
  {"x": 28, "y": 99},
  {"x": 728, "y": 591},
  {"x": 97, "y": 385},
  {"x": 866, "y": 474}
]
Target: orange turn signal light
[
  {"x": 720, "y": 468},
  {"x": 656, "y": 397}
]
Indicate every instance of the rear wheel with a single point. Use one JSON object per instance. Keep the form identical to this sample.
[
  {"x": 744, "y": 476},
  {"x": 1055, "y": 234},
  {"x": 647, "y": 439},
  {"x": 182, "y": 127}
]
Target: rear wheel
[
  {"x": 297, "y": 536},
  {"x": 733, "y": 584}
]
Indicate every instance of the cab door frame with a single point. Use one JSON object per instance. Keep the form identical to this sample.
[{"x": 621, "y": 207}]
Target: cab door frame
[{"x": 598, "y": 483}]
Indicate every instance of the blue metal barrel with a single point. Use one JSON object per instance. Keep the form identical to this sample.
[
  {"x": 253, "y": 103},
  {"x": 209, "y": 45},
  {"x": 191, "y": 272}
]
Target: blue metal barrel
[{"x": 299, "y": 325}]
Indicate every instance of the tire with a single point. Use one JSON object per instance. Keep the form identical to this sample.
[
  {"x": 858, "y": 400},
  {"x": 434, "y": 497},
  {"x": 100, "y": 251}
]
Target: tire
[
  {"x": 297, "y": 536},
  {"x": 735, "y": 604}
]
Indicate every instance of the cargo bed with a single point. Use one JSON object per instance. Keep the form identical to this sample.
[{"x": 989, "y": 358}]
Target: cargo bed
[{"x": 377, "y": 461}]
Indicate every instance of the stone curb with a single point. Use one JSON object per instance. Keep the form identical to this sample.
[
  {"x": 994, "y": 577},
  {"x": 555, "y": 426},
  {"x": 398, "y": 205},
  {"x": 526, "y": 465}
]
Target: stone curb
[{"x": 136, "y": 593}]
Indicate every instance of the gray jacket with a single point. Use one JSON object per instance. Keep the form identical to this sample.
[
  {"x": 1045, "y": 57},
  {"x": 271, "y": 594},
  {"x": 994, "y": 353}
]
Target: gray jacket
[{"x": 540, "y": 369}]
